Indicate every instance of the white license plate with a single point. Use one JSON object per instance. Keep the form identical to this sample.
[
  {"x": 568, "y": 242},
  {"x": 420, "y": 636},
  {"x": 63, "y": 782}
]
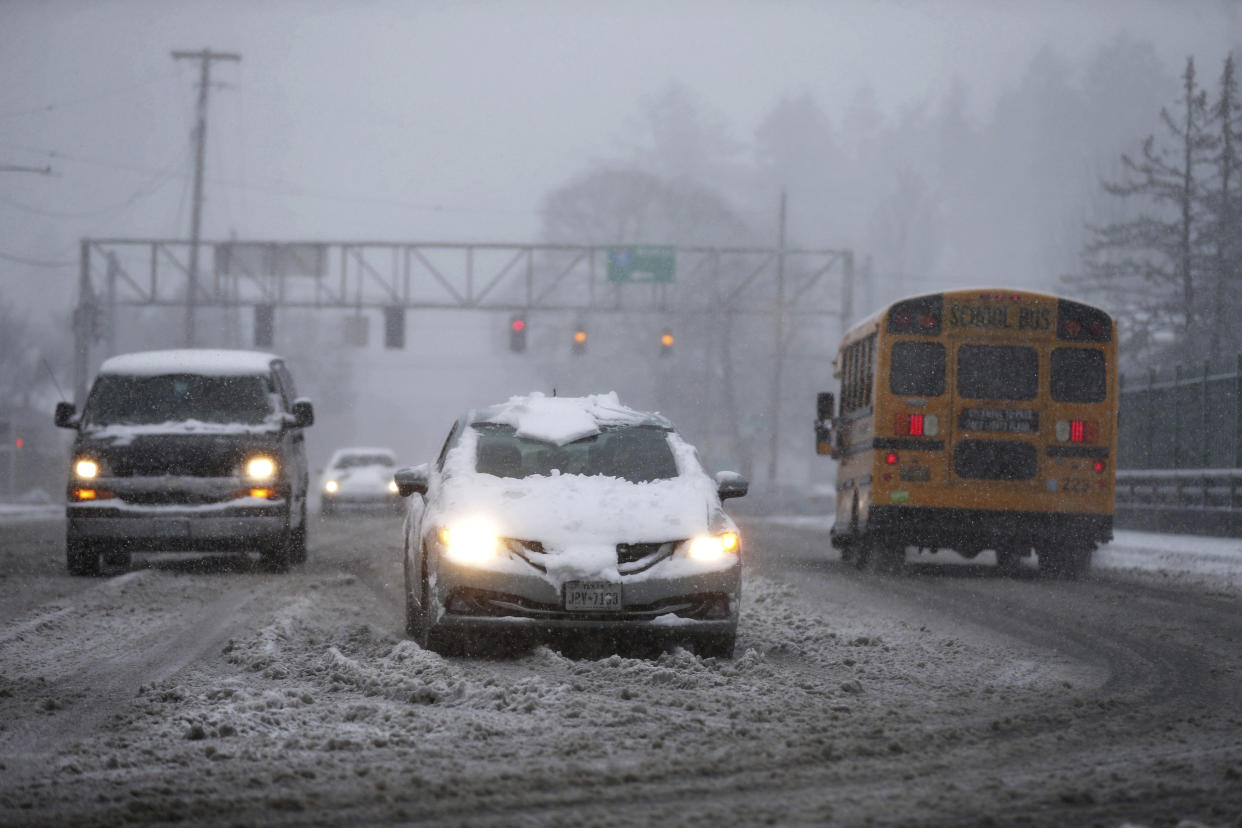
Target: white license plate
[
  {"x": 592, "y": 596},
  {"x": 171, "y": 528}
]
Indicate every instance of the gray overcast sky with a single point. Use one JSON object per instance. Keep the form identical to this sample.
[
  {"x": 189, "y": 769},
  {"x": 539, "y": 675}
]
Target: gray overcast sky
[{"x": 450, "y": 120}]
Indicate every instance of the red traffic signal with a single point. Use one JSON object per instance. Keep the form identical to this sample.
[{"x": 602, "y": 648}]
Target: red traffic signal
[{"x": 517, "y": 334}]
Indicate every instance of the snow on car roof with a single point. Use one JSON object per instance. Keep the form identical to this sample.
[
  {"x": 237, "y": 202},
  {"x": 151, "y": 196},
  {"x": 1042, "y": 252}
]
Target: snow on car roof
[
  {"x": 209, "y": 361},
  {"x": 561, "y": 420},
  {"x": 364, "y": 450}
]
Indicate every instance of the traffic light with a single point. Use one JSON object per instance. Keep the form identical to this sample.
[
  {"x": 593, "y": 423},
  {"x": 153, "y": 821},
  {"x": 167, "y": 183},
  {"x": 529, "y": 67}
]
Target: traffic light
[
  {"x": 580, "y": 340},
  {"x": 517, "y": 334},
  {"x": 666, "y": 342},
  {"x": 264, "y": 325},
  {"x": 394, "y": 326}
]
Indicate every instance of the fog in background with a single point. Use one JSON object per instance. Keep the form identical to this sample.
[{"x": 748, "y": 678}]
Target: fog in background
[{"x": 945, "y": 143}]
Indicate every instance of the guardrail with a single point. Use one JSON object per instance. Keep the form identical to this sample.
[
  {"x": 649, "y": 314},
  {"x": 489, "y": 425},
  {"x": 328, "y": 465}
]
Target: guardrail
[{"x": 1202, "y": 501}]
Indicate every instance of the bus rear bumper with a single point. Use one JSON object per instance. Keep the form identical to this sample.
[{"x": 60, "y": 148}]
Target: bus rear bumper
[{"x": 976, "y": 529}]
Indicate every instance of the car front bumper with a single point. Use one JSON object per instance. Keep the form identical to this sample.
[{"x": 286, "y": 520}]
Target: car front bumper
[{"x": 478, "y": 599}]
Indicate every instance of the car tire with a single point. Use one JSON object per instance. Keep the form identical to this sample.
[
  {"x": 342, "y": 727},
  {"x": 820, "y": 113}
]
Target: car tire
[
  {"x": 297, "y": 541},
  {"x": 81, "y": 557},
  {"x": 716, "y": 645},
  {"x": 1069, "y": 561}
]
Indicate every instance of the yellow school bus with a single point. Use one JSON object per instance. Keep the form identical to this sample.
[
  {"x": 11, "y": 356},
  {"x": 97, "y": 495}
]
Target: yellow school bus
[{"x": 974, "y": 420}]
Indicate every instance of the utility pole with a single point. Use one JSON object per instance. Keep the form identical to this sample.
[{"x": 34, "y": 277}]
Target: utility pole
[
  {"x": 774, "y": 435},
  {"x": 205, "y": 57}
]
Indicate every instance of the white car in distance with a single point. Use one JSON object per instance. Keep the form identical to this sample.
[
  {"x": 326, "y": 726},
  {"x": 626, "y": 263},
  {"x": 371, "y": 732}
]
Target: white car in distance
[{"x": 359, "y": 479}]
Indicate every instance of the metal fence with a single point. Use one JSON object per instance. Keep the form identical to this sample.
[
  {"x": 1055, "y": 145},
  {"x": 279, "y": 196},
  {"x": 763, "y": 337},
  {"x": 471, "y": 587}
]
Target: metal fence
[{"x": 1179, "y": 452}]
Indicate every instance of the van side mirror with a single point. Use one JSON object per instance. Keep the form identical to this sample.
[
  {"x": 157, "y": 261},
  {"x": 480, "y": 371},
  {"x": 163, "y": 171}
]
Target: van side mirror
[
  {"x": 412, "y": 479},
  {"x": 65, "y": 415},
  {"x": 731, "y": 484},
  {"x": 303, "y": 413}
]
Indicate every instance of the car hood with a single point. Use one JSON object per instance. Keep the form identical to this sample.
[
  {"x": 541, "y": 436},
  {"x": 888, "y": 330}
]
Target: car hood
[{"x": 565, "y": 510}]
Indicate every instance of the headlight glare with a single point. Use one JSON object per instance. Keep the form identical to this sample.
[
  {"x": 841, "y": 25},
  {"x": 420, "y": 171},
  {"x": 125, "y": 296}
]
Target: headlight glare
[
  {"x": 261, "y": 468},
  {"x": 331, "y": 486},
  {"x": 713, "y": 547},
  {"x": 392, "y": 486},
  {"x": 471, "y": 542},
  {"x": 86, "y": 469}
]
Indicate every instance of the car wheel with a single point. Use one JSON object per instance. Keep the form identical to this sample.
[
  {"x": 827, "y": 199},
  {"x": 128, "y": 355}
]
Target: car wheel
[
  {"x": 276, "y": 557},
  {"x": 426, "y": 633},
  {"x": 715, "y": 645},
  {"x": 82, "y": 558},
  {"x": 413, "y": 617},
  {"x": 297, "y": 542}
]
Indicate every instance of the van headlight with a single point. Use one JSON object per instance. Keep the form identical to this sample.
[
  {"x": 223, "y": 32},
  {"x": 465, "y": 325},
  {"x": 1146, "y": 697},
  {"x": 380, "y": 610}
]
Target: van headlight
[
  {"x": 710, "y": 548},
  {"x": 86, "y": 468},
  {"x": 261, "y": 468}
]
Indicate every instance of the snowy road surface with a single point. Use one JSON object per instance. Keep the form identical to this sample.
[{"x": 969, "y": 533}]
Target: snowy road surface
[{"x": 219, "y": 694}]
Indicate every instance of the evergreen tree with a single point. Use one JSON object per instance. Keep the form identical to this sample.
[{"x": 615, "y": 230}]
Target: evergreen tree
[
  {"x": 1219, "y": 233},
  {"x": 1147, "y": 265}
]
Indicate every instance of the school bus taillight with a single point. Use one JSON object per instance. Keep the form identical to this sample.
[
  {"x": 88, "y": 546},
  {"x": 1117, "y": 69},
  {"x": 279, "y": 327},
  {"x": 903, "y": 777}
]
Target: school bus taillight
[
  {"x": 917, "y": 425},
  {"x": 891, "y": 458},
  {"x": 1078, "y": 431}
]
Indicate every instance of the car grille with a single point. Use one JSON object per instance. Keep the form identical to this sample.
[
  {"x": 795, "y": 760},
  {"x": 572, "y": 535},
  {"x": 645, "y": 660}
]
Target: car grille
[
  {"x": 477, "y": 602},
  {"x": 637, "y": 557}
]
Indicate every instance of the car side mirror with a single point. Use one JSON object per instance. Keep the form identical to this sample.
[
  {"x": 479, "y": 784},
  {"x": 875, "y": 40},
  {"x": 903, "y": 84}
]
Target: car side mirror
[
  {"x": 303, "y": 413},
  {"x": 731, "y": 484},
  {"x": 66, "y": 415},
  {"x": 412, "y": 479}
]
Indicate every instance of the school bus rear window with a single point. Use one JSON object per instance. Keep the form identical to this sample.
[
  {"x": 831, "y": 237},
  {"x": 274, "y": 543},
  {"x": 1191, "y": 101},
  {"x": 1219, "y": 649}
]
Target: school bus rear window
[
  {"x": 917, "y": 369},
  {"x": 997, "y": 372},
  {"x": 1078, "y": 375}
]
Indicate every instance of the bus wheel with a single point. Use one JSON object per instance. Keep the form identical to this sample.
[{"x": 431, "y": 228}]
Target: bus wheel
[
  {"x": 1069, "y": 561},
  {"x": 1008, "y": 560},
  {"x": 882, "y": 556}
]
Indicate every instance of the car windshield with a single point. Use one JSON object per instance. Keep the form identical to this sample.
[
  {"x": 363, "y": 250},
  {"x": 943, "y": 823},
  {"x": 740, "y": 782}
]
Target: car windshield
[
  {"x": 635, "y": 453},
  {"x": 118, "y": 399},
  {"x": 350, "y": 461}
]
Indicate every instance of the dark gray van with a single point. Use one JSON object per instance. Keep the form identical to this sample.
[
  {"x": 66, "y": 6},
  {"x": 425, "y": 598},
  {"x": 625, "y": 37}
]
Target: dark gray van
[{"x": 187, "y": 451}]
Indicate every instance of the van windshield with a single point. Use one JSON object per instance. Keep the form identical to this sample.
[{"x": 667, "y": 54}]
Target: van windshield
[{"x": 118, "y": 399}]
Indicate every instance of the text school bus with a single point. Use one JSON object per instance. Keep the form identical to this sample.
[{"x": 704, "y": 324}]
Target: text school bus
[{"x": 973, "y": 420}]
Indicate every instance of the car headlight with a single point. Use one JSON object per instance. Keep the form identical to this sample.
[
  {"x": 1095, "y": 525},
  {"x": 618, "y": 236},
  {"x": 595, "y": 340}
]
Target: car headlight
[
  {"x": 331, "y": 486},
  {"x": 471, "y": 542},
  {"x": 85, "y": 468},
  {"x": 260, "y": 468},
  {"x": 714, "y": 547},
  {"x": 392, "y": 486}
]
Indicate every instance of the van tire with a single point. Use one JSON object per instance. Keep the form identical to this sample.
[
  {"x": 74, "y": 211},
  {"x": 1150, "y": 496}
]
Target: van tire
[{"x": 81, "y": 557}]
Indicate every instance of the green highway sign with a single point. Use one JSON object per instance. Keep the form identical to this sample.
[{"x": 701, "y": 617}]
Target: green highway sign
[{"x": 642, "y": 263}]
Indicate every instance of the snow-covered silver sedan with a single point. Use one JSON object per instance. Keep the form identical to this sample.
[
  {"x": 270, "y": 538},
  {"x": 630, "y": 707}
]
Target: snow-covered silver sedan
[
  {"x": 569, "y": 513},
  {"x": 359, "y": 478}
]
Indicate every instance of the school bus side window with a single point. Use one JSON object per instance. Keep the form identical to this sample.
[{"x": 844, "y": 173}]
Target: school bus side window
[{"x": 917, "y": 369}]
